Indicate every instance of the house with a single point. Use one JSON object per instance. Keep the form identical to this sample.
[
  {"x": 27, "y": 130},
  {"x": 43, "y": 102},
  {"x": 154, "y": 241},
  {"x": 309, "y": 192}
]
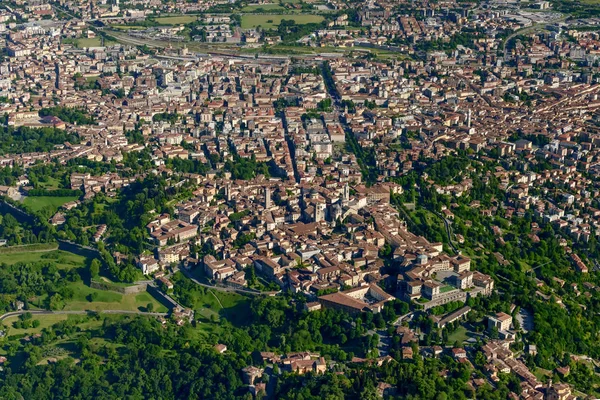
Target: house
[
  {"x": 148, "y": 264},
  {"x": 166, "y": 283},
  {"x": 220, "y": 348},
  {"x": 458, "y": 353}
]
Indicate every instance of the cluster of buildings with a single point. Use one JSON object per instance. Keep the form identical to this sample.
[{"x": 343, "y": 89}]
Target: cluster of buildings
[{"x": 318, "y": 221}]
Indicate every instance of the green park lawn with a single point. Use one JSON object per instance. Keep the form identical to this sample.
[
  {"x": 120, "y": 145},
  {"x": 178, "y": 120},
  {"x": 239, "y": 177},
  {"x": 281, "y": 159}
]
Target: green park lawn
[
  {"x": 37, "y": 203},
  {"x": 269, "y": 21}
]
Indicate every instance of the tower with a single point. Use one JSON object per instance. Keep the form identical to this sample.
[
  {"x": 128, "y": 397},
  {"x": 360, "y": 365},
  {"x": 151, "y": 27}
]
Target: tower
[
  {"x": 267, "y": 198},
  {"x": 346, "y": 193},
  {"x": 469, "y": 119}
]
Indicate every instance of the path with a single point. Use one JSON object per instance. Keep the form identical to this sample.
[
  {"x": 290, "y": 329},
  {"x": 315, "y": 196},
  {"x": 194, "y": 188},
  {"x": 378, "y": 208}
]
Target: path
[{"x": 216, "y": 297}]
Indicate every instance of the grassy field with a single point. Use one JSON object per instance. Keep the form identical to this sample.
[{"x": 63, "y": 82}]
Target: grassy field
[
  {"x": 179, "y": 20},
  {"x": 269, "y": 21},
  {"x": 266, "y": 7},
  {"x": 29, "y": 248},
  {"x": 459, "y": 335},
  {"x": 105, "y": 300},
  {"x": 86, "y": 42},
  {"x": 50, "y": 183},
  {"x": 212, "y": 304},
  {"x": 62, "y": 259},
  {"x": 45, "y": 322},
  {"x": 37, "y": 203}
]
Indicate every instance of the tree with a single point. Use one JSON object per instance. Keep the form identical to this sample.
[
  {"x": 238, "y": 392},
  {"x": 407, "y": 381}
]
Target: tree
[
  {"x": 95, "y": 267},
  {"x": 150, "y": 307}
]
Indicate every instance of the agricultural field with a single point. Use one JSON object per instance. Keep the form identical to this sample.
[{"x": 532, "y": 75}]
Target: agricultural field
[
  {"x": 37, "y": 203},
  {"x": 270, "y": 21}
]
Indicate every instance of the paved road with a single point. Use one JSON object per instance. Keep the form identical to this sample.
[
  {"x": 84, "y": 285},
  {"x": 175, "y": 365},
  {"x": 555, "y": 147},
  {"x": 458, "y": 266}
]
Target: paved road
[
  {"x": 82, "y": 312},
  {"x": 401, "y": 318},
  {"x": 448, "y": 232}
]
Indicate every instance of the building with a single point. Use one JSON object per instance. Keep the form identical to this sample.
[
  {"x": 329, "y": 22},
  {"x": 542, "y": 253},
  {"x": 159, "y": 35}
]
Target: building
[
  {"x": 362, "y": 299},
  {"x": 501, "y": 321}
]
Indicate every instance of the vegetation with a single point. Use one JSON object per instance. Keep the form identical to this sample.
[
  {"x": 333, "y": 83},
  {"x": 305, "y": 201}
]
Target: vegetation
[
  {"x": 28, "y": 140},
  {"x": 76, "y": 116},
  {"x": 270, "y": 21}
]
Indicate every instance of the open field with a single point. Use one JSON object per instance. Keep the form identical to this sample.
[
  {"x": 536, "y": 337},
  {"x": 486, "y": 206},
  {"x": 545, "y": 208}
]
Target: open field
[
  {"x": 106, "y": 300},
  {"x": 37, "y": 203},
  {"x": 212, "y": 304},
  {"x": 45, "y": 322},
  {"x": 178, "y": 20},
  {"x": 85, "y": 42},
  {"x": 269, "y": 21},
  {"x": 28, "y": 248},
  {"x": 62, "y": 259}
]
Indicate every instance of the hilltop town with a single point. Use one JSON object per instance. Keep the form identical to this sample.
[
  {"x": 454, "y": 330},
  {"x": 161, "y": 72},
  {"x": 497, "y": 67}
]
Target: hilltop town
[{"x": 301, "y": 199}]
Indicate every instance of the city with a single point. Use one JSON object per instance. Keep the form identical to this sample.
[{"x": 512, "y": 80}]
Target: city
[{"x": 300, "y": 199}]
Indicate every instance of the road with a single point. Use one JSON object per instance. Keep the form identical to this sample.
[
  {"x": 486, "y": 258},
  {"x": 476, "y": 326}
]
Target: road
[
  {"x": 401, "y": 318},
  {"x": 219, "y": 288},
  {"x": 82, "y": 312},
  {"x": 448, "y": 232},
  {"x": 532, "y": 27}
]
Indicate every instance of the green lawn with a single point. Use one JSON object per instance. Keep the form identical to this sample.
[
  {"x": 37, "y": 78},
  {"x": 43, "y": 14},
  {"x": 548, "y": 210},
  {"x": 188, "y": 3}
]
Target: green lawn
[
  {"x": 62, "y": 259},
  {"x": 445, "y": 289},
  {"x": 213, "y": 304},
  {"x": 266, "y": 7},
  {"x": 268, "y": 21},
  {"x": 459, "y": 335},
  {"x": 107, "y": 300},
  {"x": 86, "y": 42},
  {"x": 235, "y": 309},
  {"x": 178, "y": 20},
  {"x": 37, "y": 203},
  {"x": 50, "y": 183},
  {"x": 45, "y": 322}
]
